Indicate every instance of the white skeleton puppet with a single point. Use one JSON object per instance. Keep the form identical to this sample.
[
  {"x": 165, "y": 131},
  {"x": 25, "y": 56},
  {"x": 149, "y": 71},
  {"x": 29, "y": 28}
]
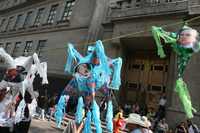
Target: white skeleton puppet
[
  {"x": 16, "y": 79},
  {"x": 27, "y": 84}
]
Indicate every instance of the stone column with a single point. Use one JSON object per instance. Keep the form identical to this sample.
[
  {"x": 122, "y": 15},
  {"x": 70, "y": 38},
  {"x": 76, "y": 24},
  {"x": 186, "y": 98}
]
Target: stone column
[
  {"x": 95, "y": 29},
  {"x": 175, "y": 112}
]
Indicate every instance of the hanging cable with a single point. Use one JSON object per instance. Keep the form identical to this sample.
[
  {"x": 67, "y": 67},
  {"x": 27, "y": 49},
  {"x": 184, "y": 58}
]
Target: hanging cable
[{"x": 131, "y": 34}]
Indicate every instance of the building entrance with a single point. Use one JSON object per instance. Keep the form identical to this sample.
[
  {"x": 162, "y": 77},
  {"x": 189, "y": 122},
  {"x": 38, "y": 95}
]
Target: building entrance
[{"x": 145, "y": 78}]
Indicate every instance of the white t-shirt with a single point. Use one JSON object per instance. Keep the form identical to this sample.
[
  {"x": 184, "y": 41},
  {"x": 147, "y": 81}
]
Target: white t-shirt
[{"x": 162, "y": 102}]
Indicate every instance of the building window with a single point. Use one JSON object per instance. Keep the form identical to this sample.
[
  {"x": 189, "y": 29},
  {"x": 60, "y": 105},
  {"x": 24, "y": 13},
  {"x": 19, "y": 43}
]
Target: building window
[
  {"x": 1, "y": 46},
  {"x": 40, "y": 47},
  {"x": 52, "y": 14},
  {"x": 155, "y": 1},
  {"x": 10, "y": 20},
  {"x": 16, "y": 49},
  {"x": 68, "y": 10},
  {"x": 2, "y": 23},
  {"x": 138, "y": 3},
  {"x": 38, "y": 17},
  {"x": 28, "y": 19},
  {"x": 28, "y": 48},
  {"x": 18, "y": 21},
  {"x": 8, "y": 48}
]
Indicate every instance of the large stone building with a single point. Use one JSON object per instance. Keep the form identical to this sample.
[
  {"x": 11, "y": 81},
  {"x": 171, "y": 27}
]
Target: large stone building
[{"x": 46, "y": 26}]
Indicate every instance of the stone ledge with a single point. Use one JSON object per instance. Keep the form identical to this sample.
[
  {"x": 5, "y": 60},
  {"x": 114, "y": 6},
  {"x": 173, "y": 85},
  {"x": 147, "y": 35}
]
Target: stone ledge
[
  {"x": 195, "y": 9},
  {"x": 7, "y": 4},
  {"x": 158, "y": 9}
]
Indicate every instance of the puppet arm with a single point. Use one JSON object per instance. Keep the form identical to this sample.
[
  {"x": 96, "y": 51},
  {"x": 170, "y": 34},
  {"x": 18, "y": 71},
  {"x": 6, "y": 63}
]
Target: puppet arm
[
  {"x": 116, "y": 79},
  {"x": 168, "y": 37},
  {"x": 102, "y": 57},
  {"x": 72, "y": 55},
  {"x": 7, "y": 58}
]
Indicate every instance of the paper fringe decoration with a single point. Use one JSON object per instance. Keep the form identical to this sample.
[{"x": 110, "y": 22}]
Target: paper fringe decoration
[
  {"x": 79, "y": 110},
  {"x": 182, "y": 90},
  {"x": 87, "y": 126},
  {"x": 109, "y": 117},
  {"x": 60, "y": 109},
  {"x": 96, "y": 117},
  {"x": 20, "y": 111}
]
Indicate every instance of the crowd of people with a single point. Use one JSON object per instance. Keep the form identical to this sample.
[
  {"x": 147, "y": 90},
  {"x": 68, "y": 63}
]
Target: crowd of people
[{"x": 155, "y": 120}]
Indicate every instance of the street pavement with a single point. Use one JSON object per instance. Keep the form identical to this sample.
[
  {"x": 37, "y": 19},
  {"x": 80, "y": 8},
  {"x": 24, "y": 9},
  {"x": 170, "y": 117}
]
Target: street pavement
[{"x": 40, "y": 126}]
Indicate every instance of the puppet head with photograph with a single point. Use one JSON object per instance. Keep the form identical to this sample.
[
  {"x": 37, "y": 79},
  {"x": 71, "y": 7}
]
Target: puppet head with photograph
[
  {"x": 83, "y": 69},
  {"x": 188, "y": 37}
]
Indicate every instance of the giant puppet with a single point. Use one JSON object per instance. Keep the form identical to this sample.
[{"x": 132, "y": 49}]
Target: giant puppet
[
  {"x": 18, "y": 79},
  {"x": 91, "y": 73},
  {"x": 184, "y": 43}
]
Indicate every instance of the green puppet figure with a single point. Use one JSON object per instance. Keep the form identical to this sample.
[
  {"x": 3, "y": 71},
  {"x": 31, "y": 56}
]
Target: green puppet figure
[{"x": 184, "y": 43}]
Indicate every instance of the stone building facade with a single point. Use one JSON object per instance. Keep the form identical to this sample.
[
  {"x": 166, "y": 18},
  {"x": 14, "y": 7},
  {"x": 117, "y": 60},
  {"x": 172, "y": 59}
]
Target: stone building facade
[
  {"x": 146, "y": 76},
  {"x": 46, "y": 26}
]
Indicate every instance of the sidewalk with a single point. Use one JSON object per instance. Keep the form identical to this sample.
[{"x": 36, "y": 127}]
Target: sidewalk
[{"x": 39, "y": 126}]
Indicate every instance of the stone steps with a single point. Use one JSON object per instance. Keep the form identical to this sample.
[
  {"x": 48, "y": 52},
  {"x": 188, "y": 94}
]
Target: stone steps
[{"x": 68, "y": 118}]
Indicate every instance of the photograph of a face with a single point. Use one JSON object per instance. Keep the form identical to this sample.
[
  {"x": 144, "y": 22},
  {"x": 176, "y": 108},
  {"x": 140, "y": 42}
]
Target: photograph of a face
[{"x": 188, "y": 38}]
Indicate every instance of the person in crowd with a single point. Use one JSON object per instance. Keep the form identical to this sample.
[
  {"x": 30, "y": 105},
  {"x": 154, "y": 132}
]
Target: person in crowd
[
  {"x": 127, "y": 109},
  {"x": 136, "y": 108},
  {"x": 51, "y": 108},
  {"x": 162, "y": 126},
  {"x": 143, "y": 109},
  {"x": 181, "y": 128},
  {"x": 136, "y": 123},
  {"x": 151, "y": 114},
  {"x": 162, "y": 107},
  {"x": 41, "y": 105},
  {"x": 192, "y": 128},
  {"x": 34, "y": 104},
  {"x": 118, "y": 121}
]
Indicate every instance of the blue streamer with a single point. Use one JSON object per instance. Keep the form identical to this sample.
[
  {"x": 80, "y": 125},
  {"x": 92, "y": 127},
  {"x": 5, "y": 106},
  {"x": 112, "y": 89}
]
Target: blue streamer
[
  {"x": 96, "y": 117},
  {"x": 79, "y": 110},
  {"x": 87, "y": 126},
  {"x": 60, "y": 110},
  {"x": 109, "y": 117}
]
